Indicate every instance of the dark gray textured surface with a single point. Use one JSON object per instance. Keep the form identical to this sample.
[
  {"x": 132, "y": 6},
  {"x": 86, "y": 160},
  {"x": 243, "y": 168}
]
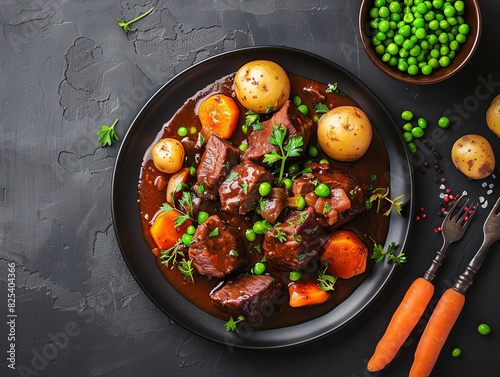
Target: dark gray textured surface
[{"x": 67, "y": 68}]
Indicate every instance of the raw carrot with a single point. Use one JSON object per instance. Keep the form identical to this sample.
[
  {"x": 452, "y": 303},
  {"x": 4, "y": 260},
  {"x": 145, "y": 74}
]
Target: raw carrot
[
  {"x": 402, "y": 323},
  {"x": 436, "y": 332},
  {"x": 345, "y": 253},
  {"x": 218, "y": 114},
  {"x": 306, "y": 293}
]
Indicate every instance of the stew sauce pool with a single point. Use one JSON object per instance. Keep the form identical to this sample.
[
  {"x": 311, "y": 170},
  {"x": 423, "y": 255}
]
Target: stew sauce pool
[{"x": 368, "y": 225}]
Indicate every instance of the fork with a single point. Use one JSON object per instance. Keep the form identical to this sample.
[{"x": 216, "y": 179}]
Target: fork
[
  {"x": 420, "y": 292},
  {"x": 451, "y": 303}
]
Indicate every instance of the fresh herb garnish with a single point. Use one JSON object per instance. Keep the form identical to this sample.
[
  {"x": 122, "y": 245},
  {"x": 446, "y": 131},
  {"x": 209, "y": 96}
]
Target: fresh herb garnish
[
  {"x": 170, "y": 255},
  {"x": 380, "y": 194},
  {"x": 252, "y": 119},
  {"x": 334, "y": 88},
  {"x": 126, "y": 25},
  {"x": 292, "y": 148},
  {"x": 280, "y": 235},
  {"x": 321, "y": 108},
  {"x": 325, "y": 281},
  {"x": 107, "y": 134},
  {"x": 379, "y": 253},
  {"x": 186, "y": 267},
  {"x": 214, "y": 233},
  {"x": 232, "y": 325}
]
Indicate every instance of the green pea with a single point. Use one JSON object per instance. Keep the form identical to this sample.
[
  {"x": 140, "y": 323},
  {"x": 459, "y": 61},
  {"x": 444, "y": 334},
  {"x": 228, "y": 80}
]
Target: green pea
[
  {"x": 288, "y": 183},
  {"x": 408, "y": 137},
  {"x": 484, "y": 329},
  {"x": 193, "y": 130},
  {"x": 190, "y": 229},
  {"x": 443, "y": 122},
  {"x": 417, "y": 132},
  {"x": 313, "y": 151},
  {"x": 456, "y": 352},
  {"x": 422, "y": 123},
  {"x": 459, "y": 6},
  {"x": 297, "y": 101},
  {"x": 187, "y": 239},
  {"x": 412, "y": 147},
  {"x": 303, "y": 109},
  {"x": 202, "y": 216},
  {"x": 293, "y": 168},
  {"x": 449, "y": 10},
  {"x": 407, "y": 127},
  {"x": 383, "y": 26},
  {"x": 250, "y": 235},
  {"x": 403, "y": 66},
  {"x": 301, "y": 203},
  {"x": 182, "y": 131},
  {"x": 264, "y": 189},
  {"x": 322, "y": 190},
  {"x": 295, "y": 275},
  {"x": 244, "y": 128},
  {"x": 407, "y": 115},
  {"x": 444, "y": 61},
  {"x": 426, "y": 69},
  {"x": 412, "y": 69},
  {"x": 464, "y": 29},
  {"x": 259, "y": 268},
  {"x": 383, "y": 12},
  {"x": 243, "y": 147},
  {"x": 259, "y": 227},
  {"x": 392, "y": 48}
]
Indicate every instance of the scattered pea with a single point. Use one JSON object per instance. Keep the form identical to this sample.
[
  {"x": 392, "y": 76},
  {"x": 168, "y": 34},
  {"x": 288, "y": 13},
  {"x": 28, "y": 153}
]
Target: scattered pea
[
  {"x": 202, "y": 216},
  {"x": 417, "y": 132},
  {"x": 456, "y": 352},
  {"x": 259, "y": 268},
  {"x": 422, "y": 123},
  {"x": 322, "y": 190},
  {"x": 407, "y": 115},
  {"x": 412, "y": 147},
  {"x": 301, "y": 203},
  {"x": 250, "y": 235},
  {"x": 408, "y": 137},
  {"x": 193, "y": 130},
  {"x": 243, "y": 147},
  {"x": 259, "y": 227},
  {"x": 484, "y": 329},
  {"x": 312, "y": 151},
  {"x": 264, "y": 189},
  {"x": 443, "y": 122},
  {"x": 288, "y": 183},
  {"x": 303, "y": 109},
  {"x": 407, "y": 127},
  {"x": 190, "y": 229},
  {"x": 295, "y": 275},
  {"x": 293, "y": 168},
  {"x": 297, "y": 101},
  {"x": 182, "y": 131},
  {"x": 187, "y": 239}
]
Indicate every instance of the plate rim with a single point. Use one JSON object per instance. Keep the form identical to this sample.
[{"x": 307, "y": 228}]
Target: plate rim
[{"x": 264, "y": 339}]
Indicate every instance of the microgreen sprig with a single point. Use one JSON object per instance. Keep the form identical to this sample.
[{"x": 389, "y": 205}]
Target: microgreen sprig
[
  {"x": 126, "y": 25},
  {"x": 380, "y": 194},
  {"x": 326, "y": 282},
  {"x": 107, "y": 134}
]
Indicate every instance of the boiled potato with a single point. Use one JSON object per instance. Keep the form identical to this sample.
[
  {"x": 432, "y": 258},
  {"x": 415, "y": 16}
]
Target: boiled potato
[
  {"x": 493, "y": 116},
  {"x": 473, "y": 156},
  {"x": 262, "y": 86},
  {"x": 168, "y": 155},
  {"x": 345, "y": 133}
]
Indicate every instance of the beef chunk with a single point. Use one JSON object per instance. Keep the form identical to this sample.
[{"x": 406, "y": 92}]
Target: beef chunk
[
  {"x": 296, "y": 123},
  {"x": 293, "y": 243},
  {"x": 273, "y": 204},
  {"x": 241, "y": 188},
  {"x": 346, "y": 197},
  {"x": 216, "y": 162},
  {"x": 248, "y": 295},
  {"x": 214, "y": 249}
]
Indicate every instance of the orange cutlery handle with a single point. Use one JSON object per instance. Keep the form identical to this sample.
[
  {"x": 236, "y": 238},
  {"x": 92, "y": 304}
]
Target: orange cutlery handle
[
  {"x": 436, "y": 332},
  {"x": 403, "y": 321}
]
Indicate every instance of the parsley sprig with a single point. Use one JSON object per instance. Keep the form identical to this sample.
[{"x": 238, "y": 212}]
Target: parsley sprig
[
  {"x": 126, "y": 25},
  {"x": 379, "y": 253},
  {"x": 292, "y": 148},
  {"x": 232, "y": 324},
  {"x": 107, "y": 134}
]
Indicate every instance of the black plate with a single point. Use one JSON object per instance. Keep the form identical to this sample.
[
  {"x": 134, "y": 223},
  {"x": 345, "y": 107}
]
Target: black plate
[{"x": 149, "y": 122}]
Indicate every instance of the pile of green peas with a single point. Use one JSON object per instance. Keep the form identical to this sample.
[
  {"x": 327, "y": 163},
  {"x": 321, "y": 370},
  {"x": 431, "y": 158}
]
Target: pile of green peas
[{"x": 418, "y": 36}]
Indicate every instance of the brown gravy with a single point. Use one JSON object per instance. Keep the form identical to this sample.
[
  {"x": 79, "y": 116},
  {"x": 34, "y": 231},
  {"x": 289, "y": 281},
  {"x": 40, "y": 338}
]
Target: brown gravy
[{"x": 369, "y": 225}]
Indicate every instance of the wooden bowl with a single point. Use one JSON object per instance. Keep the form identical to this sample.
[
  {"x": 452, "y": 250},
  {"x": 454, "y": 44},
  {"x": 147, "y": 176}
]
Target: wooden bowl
[{"x": 472, "y": 16}]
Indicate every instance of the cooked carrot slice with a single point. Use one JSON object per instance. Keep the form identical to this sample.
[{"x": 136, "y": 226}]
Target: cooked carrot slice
[
  {"x": 345, "y": 253},
  {"x": 306, "y": 293},
  {"x": 164, "y": 232},
  {"x": 218, "y": 114}
]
